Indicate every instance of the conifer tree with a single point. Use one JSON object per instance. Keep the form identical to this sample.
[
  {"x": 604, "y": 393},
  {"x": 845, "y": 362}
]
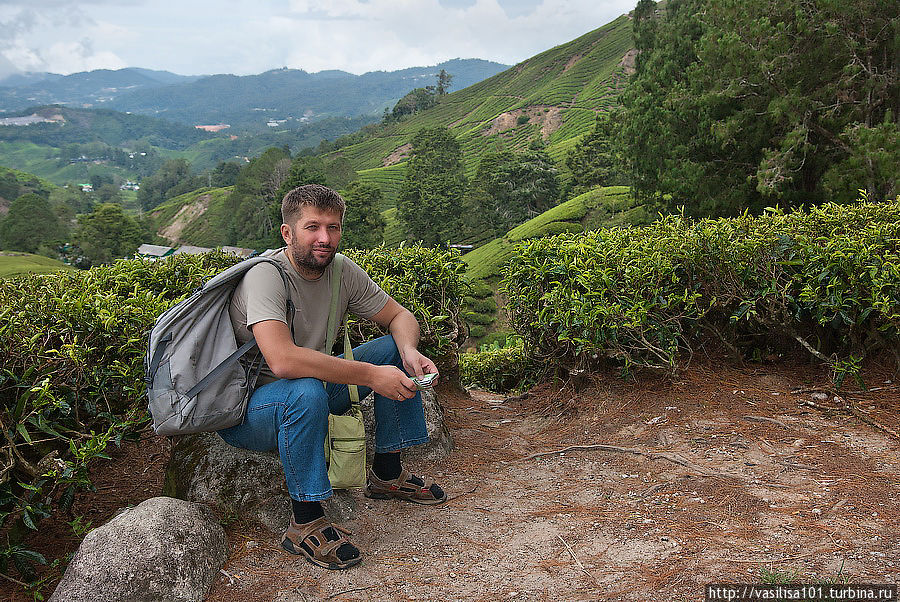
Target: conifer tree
[{"x": 432, "y": 193}]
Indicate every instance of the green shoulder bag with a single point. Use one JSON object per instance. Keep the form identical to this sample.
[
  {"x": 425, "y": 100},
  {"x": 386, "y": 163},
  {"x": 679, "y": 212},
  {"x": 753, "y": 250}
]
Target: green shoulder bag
[{"x": 345, "y": 442}]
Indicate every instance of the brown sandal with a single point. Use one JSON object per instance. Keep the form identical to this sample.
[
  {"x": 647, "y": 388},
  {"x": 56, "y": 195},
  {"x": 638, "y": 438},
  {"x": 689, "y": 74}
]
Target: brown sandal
[
  {"x": 401, "y": 488},
  {"x": 324, "y": 552}
]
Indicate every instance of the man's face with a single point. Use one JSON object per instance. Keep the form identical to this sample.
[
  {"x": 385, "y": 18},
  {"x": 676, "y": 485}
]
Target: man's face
[{"x": 313, "y": 239}]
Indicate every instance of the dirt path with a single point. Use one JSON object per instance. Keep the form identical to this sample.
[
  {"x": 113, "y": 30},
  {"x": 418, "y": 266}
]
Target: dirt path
[
  {"x": 719, "y": 477},
  {"x": 745, "y": 480}
]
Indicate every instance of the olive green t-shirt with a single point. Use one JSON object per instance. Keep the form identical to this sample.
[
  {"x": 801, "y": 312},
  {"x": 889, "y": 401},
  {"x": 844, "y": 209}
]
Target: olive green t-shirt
[{"x": 261, "y": 296}]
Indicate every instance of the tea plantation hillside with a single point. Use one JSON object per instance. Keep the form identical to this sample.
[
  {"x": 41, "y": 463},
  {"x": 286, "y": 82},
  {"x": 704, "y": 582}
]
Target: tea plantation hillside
[
  {"x": 609, "y": 207},
  {"x": 601, "y": 207},
  {"x": 554, "y": 96},
  {"x": 18, "y": 264},
  {"x": 197, "y": 218}
]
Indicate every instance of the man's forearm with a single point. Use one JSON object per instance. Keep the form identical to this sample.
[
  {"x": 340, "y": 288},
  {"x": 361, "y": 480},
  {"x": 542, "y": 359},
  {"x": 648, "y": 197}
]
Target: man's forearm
[
  {"x": 300, "y": 362},
  {"x": 405, "y": 330}
]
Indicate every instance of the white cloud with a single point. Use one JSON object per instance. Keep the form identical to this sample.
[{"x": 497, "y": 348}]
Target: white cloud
[{"x": 232, "y": 36}]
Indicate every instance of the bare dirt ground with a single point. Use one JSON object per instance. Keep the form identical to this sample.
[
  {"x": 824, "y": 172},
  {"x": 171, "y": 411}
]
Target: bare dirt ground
[{"x": 721, "y": 476}]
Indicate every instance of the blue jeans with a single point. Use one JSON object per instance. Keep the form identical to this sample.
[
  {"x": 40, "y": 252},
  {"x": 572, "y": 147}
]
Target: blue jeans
[{"x": 291, "y": 415}]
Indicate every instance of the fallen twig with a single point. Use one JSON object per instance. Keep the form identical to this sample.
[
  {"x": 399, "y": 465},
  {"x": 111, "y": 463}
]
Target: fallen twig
[
  {"x": 653, "y": 489},
  {"x": 848, "y": 407},
  {"x": 871, "y": 421},
  {"x": 16, "y": 581},
  {"x": 819, "y": 406},
  {"x": 774, "y": 560},
  {"x": 578, "y": 562},
  {"x": 347, "y": 591},
  {"x": 637, "y": 452},
  {"x": 766, "y": 419},
  {"x": 472, "y": 490},
  {"x": 809, "y": 390}
]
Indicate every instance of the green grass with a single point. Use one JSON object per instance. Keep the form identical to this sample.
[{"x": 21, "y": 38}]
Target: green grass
[{"x": 13, "y": 263}]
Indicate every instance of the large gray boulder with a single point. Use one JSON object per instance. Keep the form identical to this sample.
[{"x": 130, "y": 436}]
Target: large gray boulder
[
  {"x": 238, "y": 483},
  {"x": 162, "y": 549},
  {"x": 245, "y": 484}
]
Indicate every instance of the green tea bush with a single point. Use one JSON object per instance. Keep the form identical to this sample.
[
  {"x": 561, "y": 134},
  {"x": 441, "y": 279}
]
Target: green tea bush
[
  {"x": 825, "y": 279},
  {"x": 498, "y": 369},
  {"x": 481, "y": 290},
  {"x": 477, "y": 318},
  {"x": 481, "y": 306},
  {"x": 429, "y": 283},
  {"x": 477, "y": 331},
  {"x": 499, "y": 339},
  {"x": 72, "y": 345},
  {"x": 71, "y": 361}
]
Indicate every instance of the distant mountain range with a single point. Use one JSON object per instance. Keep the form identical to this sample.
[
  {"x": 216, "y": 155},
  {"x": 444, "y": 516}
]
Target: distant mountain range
[
  {"x": 23, "y": 90},
  {"x": 284, "y": 97}
]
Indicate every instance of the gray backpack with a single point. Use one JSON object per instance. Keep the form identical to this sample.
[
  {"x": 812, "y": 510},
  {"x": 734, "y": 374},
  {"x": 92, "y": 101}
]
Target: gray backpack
[{"x": 195, "y": 382}]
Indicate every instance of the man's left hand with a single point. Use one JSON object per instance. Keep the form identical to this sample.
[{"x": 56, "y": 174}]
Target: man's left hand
[{"x": 417, "y": 364}]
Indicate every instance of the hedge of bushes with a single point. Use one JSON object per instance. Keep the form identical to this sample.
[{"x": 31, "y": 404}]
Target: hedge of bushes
[
  {"x": 429, "y": 283},
  {"x": 498, "y": 367},
  {"x": 72, "y": 347},
  {"x": 825, "y": 280}
]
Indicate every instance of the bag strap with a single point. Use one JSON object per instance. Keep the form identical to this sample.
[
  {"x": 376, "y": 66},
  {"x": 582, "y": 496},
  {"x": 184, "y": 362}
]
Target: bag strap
[
  {"x": 335, "y": 298},
  {"x": 348, "y": 354},
  {"x": 331, "y": 333}
]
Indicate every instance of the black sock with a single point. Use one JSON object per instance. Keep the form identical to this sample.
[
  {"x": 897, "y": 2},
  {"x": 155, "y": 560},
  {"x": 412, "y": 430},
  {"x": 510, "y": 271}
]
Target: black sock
[
  {"x": 306, "y": 512},
  {"x": 387, "y": 467}
]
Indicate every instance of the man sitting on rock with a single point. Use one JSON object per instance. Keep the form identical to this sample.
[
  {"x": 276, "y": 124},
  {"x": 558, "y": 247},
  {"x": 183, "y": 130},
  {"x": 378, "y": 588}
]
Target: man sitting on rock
[{"x": 289, "y": 409}]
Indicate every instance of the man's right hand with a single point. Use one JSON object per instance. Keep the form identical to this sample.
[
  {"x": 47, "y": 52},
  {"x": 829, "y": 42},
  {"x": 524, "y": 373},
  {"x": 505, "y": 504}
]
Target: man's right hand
[{"x": 392, "y": 382}]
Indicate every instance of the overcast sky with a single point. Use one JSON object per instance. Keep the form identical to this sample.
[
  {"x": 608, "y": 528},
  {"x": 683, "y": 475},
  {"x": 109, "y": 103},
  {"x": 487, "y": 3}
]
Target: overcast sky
[{"x": 194, "y": 37}]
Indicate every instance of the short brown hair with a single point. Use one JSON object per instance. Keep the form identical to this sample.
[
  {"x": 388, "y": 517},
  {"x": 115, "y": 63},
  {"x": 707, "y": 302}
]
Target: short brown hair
[{"x": 310, "y": 195}]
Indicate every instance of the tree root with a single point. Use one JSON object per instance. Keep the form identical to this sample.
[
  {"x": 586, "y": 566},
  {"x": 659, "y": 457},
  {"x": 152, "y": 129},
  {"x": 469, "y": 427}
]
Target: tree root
[
  {"x": 639, "y": 452},
  {"x": 846, "y": 407}
]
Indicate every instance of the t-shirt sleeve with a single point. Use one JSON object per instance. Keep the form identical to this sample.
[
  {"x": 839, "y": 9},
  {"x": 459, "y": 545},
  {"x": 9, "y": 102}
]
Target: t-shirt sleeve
[
  {"x": 264, "y": 294},
  {"x": 366, "y": 298}
]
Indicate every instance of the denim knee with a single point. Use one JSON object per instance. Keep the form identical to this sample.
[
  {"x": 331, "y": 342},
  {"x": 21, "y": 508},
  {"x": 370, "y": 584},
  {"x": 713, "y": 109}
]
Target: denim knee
[{"x": 307, "y": 401}]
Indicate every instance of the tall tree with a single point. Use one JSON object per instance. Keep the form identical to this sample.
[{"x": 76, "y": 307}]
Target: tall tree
[
  {"x": 510, "y": 188},
  {"x": 225, "y": 174},
  {"x": 741, "y": 104},
  {"x": 30, "y": 224},
  {"x": 363, "y": 224},
  {"x": 432, "y": 192},
  {"x": 257, "y": 198},
  {"x": 595, "y": 160},
  {"x": 107, "y": 234},
  {"x": 443, "y": 82}
]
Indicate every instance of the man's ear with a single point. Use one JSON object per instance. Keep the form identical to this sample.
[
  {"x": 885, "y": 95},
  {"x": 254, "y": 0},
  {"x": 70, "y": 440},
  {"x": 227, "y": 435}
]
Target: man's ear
[{"x": 286, "y": 233}]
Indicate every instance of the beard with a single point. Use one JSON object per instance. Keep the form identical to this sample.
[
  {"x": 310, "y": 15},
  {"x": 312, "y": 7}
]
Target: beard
[{"x": 306, "y": 258}]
